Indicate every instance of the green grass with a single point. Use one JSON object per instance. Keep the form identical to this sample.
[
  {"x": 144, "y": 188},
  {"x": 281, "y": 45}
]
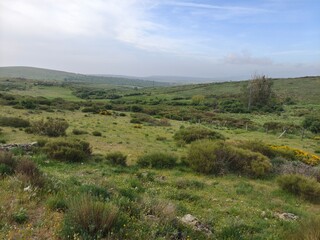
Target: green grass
[{"x": 230, "y": 205}]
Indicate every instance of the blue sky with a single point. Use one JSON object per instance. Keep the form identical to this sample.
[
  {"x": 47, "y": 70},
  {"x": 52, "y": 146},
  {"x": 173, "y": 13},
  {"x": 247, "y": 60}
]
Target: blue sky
[{"x": 216, "y": 39}]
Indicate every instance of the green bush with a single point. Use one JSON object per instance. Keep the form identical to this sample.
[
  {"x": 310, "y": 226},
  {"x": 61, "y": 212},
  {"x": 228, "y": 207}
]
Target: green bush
[
  {"x": 312, "y": 123},
  {"x": 7, "y": 163},
  {"x": 304, "y": 187},
  {"x": 218, "y": 157},
  {"x": 88, "y": 219},
  {"x": 97, "y": 133},
  {"x": 20, "y": 216},
  {"x": 117, "y": 158},
  {"x": 69, "y": 151},
  {"x": 30, "y": 173},
  {"x": 191, "y": 134},
  {"x": 57, "y": 203},
  {"x": 51, "y": 128},
  {"x": 157, "y": 160},
  {"x": 96, "y": 191},
  {"x": 257, "y": 146},
  {"x": 207, "y": 157},
  {"x": 14, "y": 122},
  {"x": 308, "y": 229},
  {"x": 78, "y": 132}
]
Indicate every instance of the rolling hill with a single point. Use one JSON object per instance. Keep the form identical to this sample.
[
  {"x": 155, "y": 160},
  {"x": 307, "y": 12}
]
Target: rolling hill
[{"x": 54, "y": 75}]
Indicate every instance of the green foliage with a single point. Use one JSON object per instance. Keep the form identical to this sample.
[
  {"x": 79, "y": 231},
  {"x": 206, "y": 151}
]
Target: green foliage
[
  {"x": 79, "y": 132},
  {"x": 197, "y": 99},
  {"x": 243, "y": 188},
  {"x": 7, "y": 163},
  {"x": 232, "y": 106},
  {"x": 96, "y": 191},
  {"x": 20, "y": 216},
  {"x": 14, "y": 122},
  {"x": 57, "y": 203},
  {"x": 51, "y": 127},
  {"x": 301, "y": 186},
  {"x": 117, "y": 158},
  {"x": 157, "y": 160},
  {"x": 97, "y": 133},
  {"x": 193, "y": 133},
  {"x": 312, "y": 123},
  {"x": 258, "y": 95},
  {"x": 217, "y": 157},
  {"x": 257, "y": 146},
  {"x": 30, "y": 173},
  {"x": 207, "y": 157},
  {"x": 71, "y": 151},
  {"x": 88, "y": 219},
  {"x": 308, "y": 229},
  {"x": 237, "y": 231}
]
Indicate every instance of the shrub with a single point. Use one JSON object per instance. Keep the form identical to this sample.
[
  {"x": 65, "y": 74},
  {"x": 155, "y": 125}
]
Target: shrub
[
  {"x": 7, "y": 163},
  {"x": 96, "y": 191},
  {"x": 296, "y": 154},
  {"x": 312, "y": 123},
  {"x": 117, "y": 158},
  {"x": 207, "y": 157},
  {"x": 282, "y": 166},
  {"x": 157, "y": 160},
  {"x": 191, "y": 134},
  {"x": 257, "y": 146},
  {"x": 97, "y": 133},
  {"x": 14, "y": 122},
  {"x": 20, "y": 216},
  {"x": 57, "y": 203},
  {"x": 78, "y": 132},
  {"x": 301, "y": 186},
  {"x": 89, "y": 219},
  {"x": 308, "y": 230},
  {"x": 51, "y": 128},
  {"x": 217, "y": 157},
  {"x": 75, "y": 151},
  {"x": 29, "y": 172}
]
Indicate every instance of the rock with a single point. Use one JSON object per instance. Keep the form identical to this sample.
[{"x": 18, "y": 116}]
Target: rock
[
  {"x": 190, "y": 220},
  {"x": 286, "y": 216}
]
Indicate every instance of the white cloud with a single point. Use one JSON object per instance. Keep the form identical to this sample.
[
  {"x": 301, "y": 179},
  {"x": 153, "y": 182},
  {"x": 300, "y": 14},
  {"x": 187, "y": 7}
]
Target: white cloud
[{"x": 245, "y": 58}]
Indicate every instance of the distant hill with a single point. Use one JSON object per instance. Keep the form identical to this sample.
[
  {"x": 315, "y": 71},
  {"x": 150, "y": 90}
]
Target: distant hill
[{"x": 55, "y": 75}]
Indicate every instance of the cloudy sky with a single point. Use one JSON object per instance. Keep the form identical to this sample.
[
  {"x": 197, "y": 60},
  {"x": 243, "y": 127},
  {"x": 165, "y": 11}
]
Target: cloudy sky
[{"x": 205, "y": 38}]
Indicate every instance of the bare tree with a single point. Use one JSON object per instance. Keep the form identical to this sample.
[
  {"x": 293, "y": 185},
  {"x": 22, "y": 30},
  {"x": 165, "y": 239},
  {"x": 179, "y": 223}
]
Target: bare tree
[{"x": 258, "y": 92}]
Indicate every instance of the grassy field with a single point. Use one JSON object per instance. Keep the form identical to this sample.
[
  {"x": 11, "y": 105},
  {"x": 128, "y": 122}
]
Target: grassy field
[{"x": 150, "y": 202}]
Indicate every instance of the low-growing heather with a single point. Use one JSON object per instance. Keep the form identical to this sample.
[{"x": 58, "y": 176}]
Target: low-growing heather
[
  {"x": 191, "y": 134},
  {"x": 117, "y": 158},
  {"x": 7, "y": 163},
  {"x": 157, "y": 160},
  {"x": 304, "y": 187},
  {"x": 51, "y": 127},
  {"x": 14, "y": 122},
  {"x": 69, "y": 151}
]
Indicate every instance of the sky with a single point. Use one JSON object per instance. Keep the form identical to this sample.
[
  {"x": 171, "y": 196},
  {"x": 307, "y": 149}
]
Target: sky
[{"x": 229, "y": 39}]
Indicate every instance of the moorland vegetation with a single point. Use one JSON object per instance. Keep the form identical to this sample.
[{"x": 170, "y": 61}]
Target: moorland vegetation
[{"x": 241, "y": 159}]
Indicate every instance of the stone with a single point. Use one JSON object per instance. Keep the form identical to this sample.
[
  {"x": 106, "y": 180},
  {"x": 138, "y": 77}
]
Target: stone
[
  {"x": 286, "y": 216},
  {"x": 190, "y": 220}
]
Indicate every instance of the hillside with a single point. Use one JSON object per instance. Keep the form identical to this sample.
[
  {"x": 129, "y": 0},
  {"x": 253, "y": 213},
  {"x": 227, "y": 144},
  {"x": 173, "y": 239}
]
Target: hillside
[{"x": 54, "y": 75}]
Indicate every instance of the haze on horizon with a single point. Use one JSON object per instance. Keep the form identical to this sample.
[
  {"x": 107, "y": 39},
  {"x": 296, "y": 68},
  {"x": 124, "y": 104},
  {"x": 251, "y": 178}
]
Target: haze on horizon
[{"x": 230, "y": 39}]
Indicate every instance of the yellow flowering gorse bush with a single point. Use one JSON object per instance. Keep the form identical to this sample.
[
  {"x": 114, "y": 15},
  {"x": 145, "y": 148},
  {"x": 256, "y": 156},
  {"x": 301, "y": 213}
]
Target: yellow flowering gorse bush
[{"x": 297, "y": 154}]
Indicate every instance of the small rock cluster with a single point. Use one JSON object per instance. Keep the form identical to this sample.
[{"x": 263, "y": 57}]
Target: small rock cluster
[
  {"x": 286, "y": 216},
  {"x": 24, "y": 146},
  {"x": 190, "y": 220}
]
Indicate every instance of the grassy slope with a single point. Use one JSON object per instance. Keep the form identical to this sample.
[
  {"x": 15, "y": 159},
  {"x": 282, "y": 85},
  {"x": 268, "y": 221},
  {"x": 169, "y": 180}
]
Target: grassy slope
[
  {"x": 50, "y": 75},
  {"x": 221, "y": 202}
]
